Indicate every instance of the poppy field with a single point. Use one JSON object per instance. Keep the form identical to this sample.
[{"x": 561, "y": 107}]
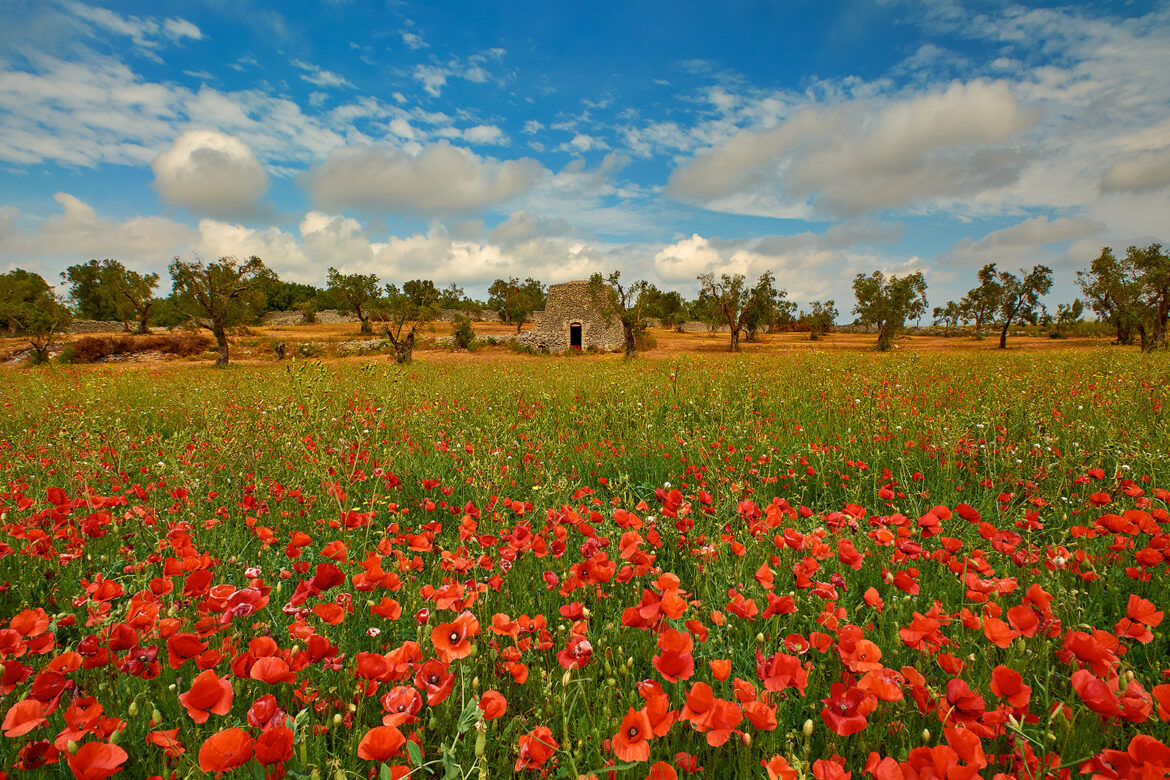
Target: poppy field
[{"x": 822, "y": 565}]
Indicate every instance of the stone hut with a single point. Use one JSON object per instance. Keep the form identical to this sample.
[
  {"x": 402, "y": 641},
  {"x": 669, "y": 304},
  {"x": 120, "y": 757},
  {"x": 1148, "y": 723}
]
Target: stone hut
[{"x": 572, "y": 320}]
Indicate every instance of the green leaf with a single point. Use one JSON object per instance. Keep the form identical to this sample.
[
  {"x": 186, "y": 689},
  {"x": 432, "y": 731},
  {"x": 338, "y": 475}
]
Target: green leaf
[
  {"x": 384, "y": 773},
  {"x": 415, "y": 754}
]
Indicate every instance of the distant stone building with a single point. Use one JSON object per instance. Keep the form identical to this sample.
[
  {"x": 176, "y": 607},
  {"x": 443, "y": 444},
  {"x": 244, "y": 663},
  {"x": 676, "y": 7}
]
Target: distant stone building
[{"x": 572, "y": 320}]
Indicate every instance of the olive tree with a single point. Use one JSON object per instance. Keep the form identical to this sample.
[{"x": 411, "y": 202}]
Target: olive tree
[
  {"x": 30, "y": 308},
  {"x": 886, "y": 303},
  {"x": 219, "y": 295},
  {"x": 358, "y": 293},
  {"x": 1020, "y": 297},
  {"x": 627, "y": 303},
  {"x": 405, "y": 311},
  {"x": 738, "y": 306}
]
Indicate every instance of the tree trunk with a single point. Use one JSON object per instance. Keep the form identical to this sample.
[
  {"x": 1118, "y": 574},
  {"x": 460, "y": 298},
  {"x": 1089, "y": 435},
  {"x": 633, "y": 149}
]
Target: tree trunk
[
  {"x": 519, "y": 325},
  {"x": 1003, "y": 335},
  {"x": 1158, "y": 337},
  {"x": 734, "y": 340},
  {"x": 631, "y": 342},
  {"x": 221, "y": 341},
  {"x": 143, "y": 326},
  {"x": 885, "y": 337},
  {"x": 404, "y": 350},
  {"x": 367, "y": 329}
]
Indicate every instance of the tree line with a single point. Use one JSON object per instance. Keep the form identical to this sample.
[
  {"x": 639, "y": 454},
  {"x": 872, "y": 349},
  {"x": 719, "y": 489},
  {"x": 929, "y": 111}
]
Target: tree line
[{"x": 1132, "y": 293}]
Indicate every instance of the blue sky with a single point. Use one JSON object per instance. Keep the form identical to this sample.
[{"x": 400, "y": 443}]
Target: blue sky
[{"x": 468, "y": 141}]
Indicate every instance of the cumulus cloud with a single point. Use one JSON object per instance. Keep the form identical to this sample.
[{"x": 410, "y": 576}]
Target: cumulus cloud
[
  {"x": 1139, "y": 173},
  {"x": 1021, "y": 242},
  {"x": 210, "y": 173},
  {"x": 863, "y": 156},
  {"x": 440, "y": 179},
  {"x": 807, "y": 265},
  {"x": 78, "y": 233}
]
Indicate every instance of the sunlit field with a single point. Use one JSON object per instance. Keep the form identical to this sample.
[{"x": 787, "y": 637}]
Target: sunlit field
[{"x": 801, "y": 564}]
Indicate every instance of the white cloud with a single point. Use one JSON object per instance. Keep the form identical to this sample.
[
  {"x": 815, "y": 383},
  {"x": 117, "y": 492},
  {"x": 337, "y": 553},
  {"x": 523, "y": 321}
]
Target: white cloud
[
  {"x": 1139, "y": 173},
  {"x": 1019, "y": 243},
  {"x": 808, "y": 266},
  {"x": 440, "y": 179},
  {"x": 178, "y": 29},
  {"x": 485, "y": 134},
  {"x": 413, "y": 40},
  {"x": 279, "y": 250},
  {"x": 319, "y": 76},
  {"x": 144, "y": 32},
  {"x": 78, "y": 233},
  {"x": 582, "y": 142},
  {"x": 531, "y": 127},
  {"x": 432, "y": 77},
  {"x": 210, "y": 173},
  {"x": 864, "y": 156}
]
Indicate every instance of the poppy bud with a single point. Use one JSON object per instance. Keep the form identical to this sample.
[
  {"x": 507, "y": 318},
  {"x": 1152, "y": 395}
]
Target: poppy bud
[
  {"x": 565, "y": 678},
  {"x": 132, "y": 710},
  {"x": 759, "y": 639},
  {"x": 480, "y": 742},
  {"x": 72, "y": 746},
  {"x": 115, "y": 736},
  {"x": 475, "y": 682},
  {"x": 808, "y": 728},
  {"x": 337, "y": 719},
  {"x": 156, "y": 716},
  {"x": 925, "y": 736}
]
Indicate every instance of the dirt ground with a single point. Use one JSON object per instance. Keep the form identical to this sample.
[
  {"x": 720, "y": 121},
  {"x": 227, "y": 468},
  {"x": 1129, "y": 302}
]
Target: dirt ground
[{"x": 255, "y": 345}]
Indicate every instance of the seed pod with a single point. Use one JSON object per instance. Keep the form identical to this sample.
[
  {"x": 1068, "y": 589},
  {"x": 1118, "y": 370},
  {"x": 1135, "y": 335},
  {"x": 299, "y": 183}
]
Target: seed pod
[{"x": 925, "y": 736}]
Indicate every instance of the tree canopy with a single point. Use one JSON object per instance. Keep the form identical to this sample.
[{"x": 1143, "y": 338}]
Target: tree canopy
[
  {"x": 886, "y": 303},
  {"x": 219, "y": 295}
]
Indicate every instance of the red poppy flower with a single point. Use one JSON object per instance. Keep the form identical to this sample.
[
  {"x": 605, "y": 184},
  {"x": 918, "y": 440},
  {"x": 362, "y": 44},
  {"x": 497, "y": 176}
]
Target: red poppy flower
[
  {"x": 536, "y": 748},
  {"x": 23, "y": 717},
  {"x": 209, "y": 694},
  {"x": 97, "y": 761},
  {"x": 453, "y": 640},
  {"x": 1096, "y": 693},
  {"x": 846, "y": 709},
  {"x": 274, "y": 745},
  {"x": 168, "y": 740},
  {"x": 661, "y": 770},
  {"x": 493, "y": 704},
  {"x": 225, "y": 750},
  {"x": 182, "y": 647},
  {"x": 720, "y": 668},
  {"x": 631, "y": 743},
  {"x": 779, "y": 768},
  {"x": 675, "y": 662},
  {"x": 435, "y": 681},
  {"x": 381, "y": 743},
  {"x": 271, "y": 670},
  {"x": 401, "y": 705},
  {"x": 1007, "y": 684}
]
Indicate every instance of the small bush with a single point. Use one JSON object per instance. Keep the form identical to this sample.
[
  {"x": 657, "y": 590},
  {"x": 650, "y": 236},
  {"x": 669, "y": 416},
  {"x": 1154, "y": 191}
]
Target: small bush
[
  {"x": 91, "y": 349},
  {"x": 464, "y": 335}
]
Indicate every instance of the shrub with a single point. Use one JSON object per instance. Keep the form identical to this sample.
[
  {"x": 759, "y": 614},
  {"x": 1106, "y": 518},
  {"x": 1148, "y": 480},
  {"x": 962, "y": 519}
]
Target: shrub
[
  {"x": 464, "y": 335},
  {"x": 91, "y": 349}
]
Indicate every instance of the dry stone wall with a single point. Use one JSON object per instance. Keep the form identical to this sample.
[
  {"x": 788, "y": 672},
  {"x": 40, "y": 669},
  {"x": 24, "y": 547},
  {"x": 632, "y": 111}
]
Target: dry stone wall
[
  {"x": 95, "y": 326},
  {"x": 572, "y": 304}
]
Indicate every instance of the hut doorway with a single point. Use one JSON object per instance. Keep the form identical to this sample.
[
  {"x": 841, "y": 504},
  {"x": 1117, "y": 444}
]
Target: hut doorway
[{"x": 575, "y": 335}]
